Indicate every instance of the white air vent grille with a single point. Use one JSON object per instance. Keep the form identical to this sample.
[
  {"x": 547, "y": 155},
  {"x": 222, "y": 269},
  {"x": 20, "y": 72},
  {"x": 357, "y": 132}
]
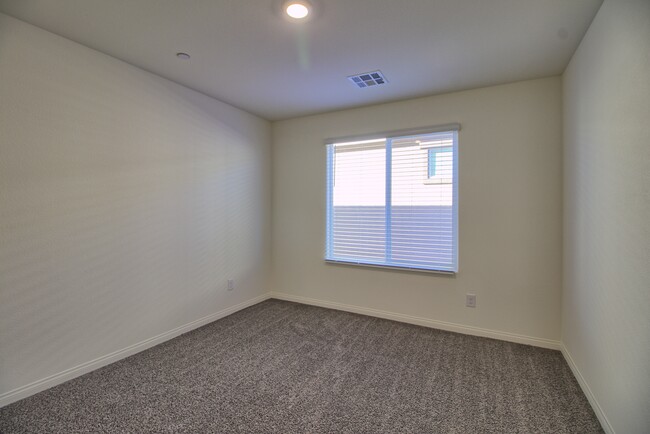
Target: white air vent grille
[{"x": 368, "y": 79}]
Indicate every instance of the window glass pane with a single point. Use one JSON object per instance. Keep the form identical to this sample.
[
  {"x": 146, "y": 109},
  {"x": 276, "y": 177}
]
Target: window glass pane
[
  {"x": 358, "y": 207},
  {"x": 421, "y": 213}
]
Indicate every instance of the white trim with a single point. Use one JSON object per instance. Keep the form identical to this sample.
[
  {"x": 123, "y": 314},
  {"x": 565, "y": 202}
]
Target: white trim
[
  {"x": 389, "y": 267},
  {"x": 55, "y": 379},
  {"x": 600, "y": 414},
  {"x": 395, "y": 133},
  {"x": 426, "y": 322}
]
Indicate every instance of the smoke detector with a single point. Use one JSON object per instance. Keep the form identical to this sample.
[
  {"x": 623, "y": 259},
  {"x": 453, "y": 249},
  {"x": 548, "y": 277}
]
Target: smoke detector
[{"x": 368, "y": 79}]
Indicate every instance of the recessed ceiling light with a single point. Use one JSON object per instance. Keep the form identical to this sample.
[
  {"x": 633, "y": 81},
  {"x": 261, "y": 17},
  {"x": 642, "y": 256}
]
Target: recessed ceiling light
[
  {"x": 297, "y": 9},
  {"x": 183, "y": 56}
]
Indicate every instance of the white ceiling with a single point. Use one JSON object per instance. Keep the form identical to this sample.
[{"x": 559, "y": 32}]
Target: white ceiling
[{"x": 244, "y": 52}]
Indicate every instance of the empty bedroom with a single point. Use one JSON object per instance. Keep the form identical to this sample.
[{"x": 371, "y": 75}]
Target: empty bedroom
[{"x": 325, "y": 216}]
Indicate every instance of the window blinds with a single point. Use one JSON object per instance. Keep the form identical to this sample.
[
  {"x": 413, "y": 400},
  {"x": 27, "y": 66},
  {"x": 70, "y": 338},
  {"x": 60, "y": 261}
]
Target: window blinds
[{"x": 391, "y": 202}]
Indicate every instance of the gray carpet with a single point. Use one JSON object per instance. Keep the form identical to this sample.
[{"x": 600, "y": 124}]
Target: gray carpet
[{"x": 280, "y": 367}]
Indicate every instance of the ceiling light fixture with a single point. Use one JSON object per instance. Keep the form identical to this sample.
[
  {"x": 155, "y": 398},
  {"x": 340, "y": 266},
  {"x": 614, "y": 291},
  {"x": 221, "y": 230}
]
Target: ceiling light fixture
[
  {"x": 183, "y": 56},
  {"x": 297, "y": 10}
]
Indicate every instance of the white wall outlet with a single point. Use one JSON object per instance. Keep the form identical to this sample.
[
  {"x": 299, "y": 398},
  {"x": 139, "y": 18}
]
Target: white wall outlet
[
  {"x": 470, "y": 300},
  {"x": 231, "y": 285}
]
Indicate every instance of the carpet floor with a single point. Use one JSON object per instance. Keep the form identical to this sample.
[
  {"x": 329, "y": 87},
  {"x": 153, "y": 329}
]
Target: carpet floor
[{"x": 280, "y": 367}]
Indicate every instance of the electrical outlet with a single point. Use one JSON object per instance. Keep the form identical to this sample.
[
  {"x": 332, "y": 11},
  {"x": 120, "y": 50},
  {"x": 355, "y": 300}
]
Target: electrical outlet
[
  {"x": 470, "y": 300},
  {"x": 231, "y": 285}
]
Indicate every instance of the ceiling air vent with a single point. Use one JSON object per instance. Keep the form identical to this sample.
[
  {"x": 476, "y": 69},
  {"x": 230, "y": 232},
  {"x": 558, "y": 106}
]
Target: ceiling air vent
[{"x": 368, "y": 79}]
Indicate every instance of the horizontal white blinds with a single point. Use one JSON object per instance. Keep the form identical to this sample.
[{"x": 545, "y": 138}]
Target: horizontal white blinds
[{"x": 391, "y": 202}]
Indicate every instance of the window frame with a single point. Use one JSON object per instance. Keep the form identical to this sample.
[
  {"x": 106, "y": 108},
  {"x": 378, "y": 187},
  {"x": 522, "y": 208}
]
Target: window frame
[{"x": 387, "y": 136}]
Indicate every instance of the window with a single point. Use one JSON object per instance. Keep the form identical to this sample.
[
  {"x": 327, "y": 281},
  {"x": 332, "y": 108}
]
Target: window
[
  {"x": 392, "y": 202},
  {"x": 438, "y": 158}
]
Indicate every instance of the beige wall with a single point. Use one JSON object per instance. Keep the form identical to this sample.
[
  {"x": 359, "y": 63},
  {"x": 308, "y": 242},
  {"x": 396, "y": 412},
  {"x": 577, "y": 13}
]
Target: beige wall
[
  {"x": 606, "y": 303},
  {"x": 126, "y": 202},
  {"x": 509, "y": 210}
]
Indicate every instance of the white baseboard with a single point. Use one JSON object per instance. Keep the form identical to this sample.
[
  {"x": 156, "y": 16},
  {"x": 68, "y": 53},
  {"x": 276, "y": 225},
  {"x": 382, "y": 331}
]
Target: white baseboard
[
  {"x": 426, "y": 322},
  {"x": 61, "y": 377},
  {"x": 600, "y": 414}
]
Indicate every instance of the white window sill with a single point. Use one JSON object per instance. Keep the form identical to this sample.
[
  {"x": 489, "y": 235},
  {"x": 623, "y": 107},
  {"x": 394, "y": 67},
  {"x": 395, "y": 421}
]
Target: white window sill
[{"x": 391, "y": 267}]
